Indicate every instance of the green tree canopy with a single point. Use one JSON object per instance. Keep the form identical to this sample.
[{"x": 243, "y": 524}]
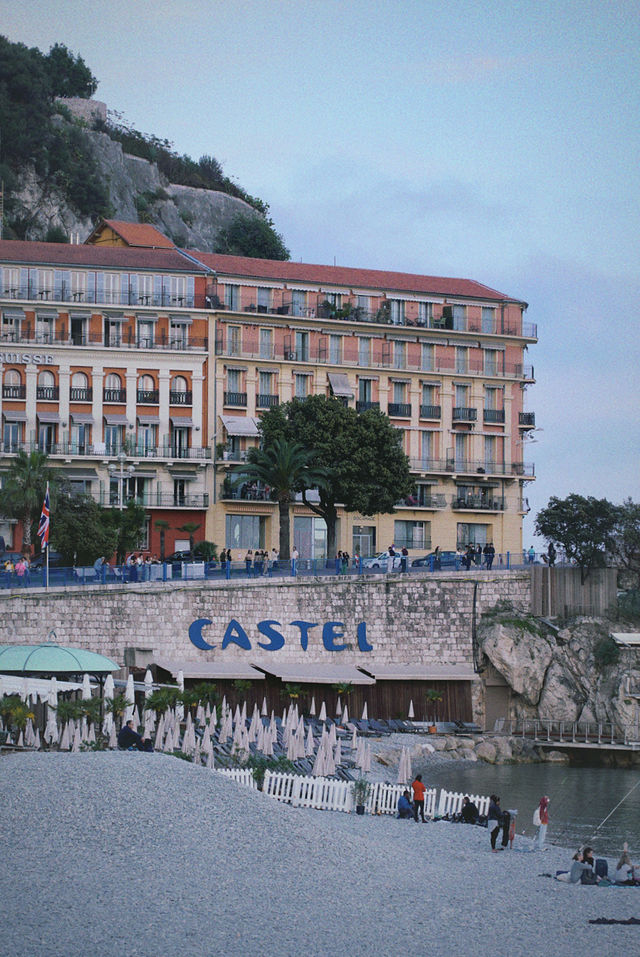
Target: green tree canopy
[
  {"x": 367, "y": 471},
  {"x": 82, "y": 530},
  {"x": 24, "y": 488},
  {"x": 250, "y": 235},
  {"x": 286, "y": 467},
  {"x": 624, "y": 544},
  {"x": 68, "y": 74},
  {"x": 129, "y": 527},
  {"x": 582, "y": 525}
]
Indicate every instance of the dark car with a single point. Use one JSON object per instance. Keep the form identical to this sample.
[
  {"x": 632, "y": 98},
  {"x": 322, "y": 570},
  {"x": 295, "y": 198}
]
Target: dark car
[
  {"x": 441, "y": 560},
  {"x": 181, "y": 556},
  {"x": 56, "y": 560}
]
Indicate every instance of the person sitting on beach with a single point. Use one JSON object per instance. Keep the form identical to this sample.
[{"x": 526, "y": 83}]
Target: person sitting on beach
[
  {"x": 419, "y": 791},
  {"x": 468, "y": 811},
  {"x": 581, "y": 869},
  {"x": 496, "y": 819},
  {"x": 404, "y": 806},
  {"x": 128, "y": 739},
  {"x": 624, "y": 871}
]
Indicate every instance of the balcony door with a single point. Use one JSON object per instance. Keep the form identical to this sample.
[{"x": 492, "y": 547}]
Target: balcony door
[{"x": 180, "y": 443}]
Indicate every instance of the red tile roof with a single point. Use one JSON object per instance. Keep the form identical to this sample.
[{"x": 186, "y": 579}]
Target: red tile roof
[
  {"x": 244, "y": 267},
  {"x": 104, "y": 257},
  {"x": 133, "y": 234}
]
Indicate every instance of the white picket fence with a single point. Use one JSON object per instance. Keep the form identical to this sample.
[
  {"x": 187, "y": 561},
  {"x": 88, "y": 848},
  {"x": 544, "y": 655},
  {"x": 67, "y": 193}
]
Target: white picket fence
[{"x": 325, "y": 794}]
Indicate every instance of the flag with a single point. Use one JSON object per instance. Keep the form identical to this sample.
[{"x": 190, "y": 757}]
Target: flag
[{"x": 43, "y": 527}]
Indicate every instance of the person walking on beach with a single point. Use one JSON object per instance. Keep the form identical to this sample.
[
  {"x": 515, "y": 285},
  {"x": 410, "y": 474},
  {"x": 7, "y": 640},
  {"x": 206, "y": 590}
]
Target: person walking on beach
[
  {"x": 496, "y": 819},
  {"x": 541, "y": 818},
  {"x": 419, "y": 791}
]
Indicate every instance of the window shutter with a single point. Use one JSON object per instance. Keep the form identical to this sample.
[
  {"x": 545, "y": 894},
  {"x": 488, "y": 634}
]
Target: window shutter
[
  {"x": 190, "y": 291},
  {"x": 133, "y": 289},
  {"x": 100, "y": 287},
  {"x": 91, "y": 287}
]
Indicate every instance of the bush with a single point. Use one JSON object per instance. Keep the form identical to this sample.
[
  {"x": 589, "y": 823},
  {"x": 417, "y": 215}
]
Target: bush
[
  {"x": 207, "y": 551},
  {"x": 605, "y": 653}
]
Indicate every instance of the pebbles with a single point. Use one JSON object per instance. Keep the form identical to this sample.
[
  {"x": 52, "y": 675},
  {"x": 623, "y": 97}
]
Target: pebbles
[{"x": 127, "y": 853}]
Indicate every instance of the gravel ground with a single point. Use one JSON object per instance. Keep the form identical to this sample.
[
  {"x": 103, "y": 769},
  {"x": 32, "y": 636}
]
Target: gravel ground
[{"x": 143, "y": 854}]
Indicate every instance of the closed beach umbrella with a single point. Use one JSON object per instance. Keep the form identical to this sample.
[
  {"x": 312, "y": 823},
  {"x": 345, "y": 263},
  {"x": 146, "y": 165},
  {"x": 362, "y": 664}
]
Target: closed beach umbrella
[
  {"x": 345, "y": 715},
  {"x": 354, "y": 740},
  {"x": 310, "y": 746},
  {"x": 337, "y": 754},
  {"x": 148, "y": 683},
  {"x": 129, "y": 697},
  {"x": 264, "y": 711},
  {"x": 323, "y": 712},
  {"x": 211, "y": 763},
  {"x": 135, "y": 717},
  {"x": 108, "y": 687},
  {"x": 157, "y": 744},
  {"x": 365, "y": 713},
  {"x": 51, "y": 733},
  {"x": 113, "y": 739},
  {"x": 318, "y": 764},
  {"x": 86, "y": 687},
  {"x": 312, "y": 709},
  {"x": 36, "y": 742},
  {"x": 65, "y": 740},
  {"x": 411, "y": 712},
  {"x": 291, "y": 748},
  {"x": 338, "y": 707},
  {"x": 76, "y": 741},
  {"x": 366, "y": 766},
  {"x": 180, "y": 707}
]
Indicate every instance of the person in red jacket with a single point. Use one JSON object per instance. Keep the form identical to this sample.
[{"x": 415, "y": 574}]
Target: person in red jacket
[{"x": 419, "y": 791}]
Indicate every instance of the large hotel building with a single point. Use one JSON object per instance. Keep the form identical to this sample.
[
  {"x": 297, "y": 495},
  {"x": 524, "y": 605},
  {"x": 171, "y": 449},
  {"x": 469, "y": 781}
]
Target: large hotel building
[{"x": 142, "y": 371}]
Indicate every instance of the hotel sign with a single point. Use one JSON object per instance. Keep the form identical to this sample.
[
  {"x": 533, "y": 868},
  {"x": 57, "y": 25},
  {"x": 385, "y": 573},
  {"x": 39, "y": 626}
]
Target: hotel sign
[
  {"x": 27, "y": 358},
  {"x": 270, "y": 637}
]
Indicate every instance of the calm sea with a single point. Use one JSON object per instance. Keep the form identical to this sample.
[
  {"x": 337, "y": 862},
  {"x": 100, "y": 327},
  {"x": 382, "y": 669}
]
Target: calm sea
[{"x": 581, "y": 799}]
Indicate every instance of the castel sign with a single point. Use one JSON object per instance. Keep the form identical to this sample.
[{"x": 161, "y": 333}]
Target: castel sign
[{"x": 333, "y": 633}]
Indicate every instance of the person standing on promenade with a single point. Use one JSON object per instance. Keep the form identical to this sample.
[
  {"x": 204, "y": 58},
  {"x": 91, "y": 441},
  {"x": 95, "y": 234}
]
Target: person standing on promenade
[
  {"x": 419, "y": 791},
  {"x": 541, "y": 819}
]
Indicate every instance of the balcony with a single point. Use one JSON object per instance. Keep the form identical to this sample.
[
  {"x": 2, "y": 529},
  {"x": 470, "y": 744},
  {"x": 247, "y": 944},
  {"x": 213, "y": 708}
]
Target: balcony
[
  {"x": 48, "y": 393},
  {"x": 14, "y": 391},
  {"x": 236, "y": 398},
  {"x": 463, "y": 413},
  {"x": 26, "y": 335},
  {"x": 247, "y": 492},
  {"x": 180, "y": 398},
  {"x": 363, "y": 405},
  {"x": 234, "y": 455},
  {"x": 114, "y": 395},
  {"x": 527, "y": 420},
  {"x": 265, "y": 400},
  {"x": 400, "y": 409},
  {"x": 63, "y": 292},
  {"x": 436, "y": 500},
  {"x": 148, "y": 396},
  {"x": 493, "y": 416},
  {"x": 176, "y": 500},
  {"x": 81, "y": 395},
  {"x": 430, "y": 411},
  {"x": 480, "y": 503}
]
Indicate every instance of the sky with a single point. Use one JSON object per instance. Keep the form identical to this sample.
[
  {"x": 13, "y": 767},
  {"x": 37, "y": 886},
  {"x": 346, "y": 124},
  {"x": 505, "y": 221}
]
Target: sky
[{"x": 486, "y": 140}]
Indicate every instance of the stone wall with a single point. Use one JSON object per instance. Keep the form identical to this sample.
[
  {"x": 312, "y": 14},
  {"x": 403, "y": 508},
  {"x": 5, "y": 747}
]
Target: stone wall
[{"x": 424, "y": 619}]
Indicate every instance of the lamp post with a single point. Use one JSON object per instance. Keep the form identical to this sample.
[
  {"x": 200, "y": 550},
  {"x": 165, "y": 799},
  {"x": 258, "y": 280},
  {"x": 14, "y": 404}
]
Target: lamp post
[{"x": 122, "y": 474}]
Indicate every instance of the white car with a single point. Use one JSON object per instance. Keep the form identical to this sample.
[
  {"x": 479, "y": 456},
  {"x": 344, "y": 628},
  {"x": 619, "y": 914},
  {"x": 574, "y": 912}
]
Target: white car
[{"x": 382, "y": 561}]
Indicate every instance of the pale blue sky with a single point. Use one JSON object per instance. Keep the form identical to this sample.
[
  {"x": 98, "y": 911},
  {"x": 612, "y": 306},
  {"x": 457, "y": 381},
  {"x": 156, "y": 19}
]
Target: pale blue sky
[{"x": 489, "y": 140}]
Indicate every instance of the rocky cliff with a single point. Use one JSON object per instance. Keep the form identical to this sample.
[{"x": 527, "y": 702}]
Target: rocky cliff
[{"x": 137, "y": 191}]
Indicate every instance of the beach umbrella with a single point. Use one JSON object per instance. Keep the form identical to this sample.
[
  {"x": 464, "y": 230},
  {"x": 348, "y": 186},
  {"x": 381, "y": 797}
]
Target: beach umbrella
[
  {"x": 291, "y": 748},
  {"x": 213, "y": 718},
  {"x": 113, "y": 738},
  {"x": 310, "y": 746},
  {"x": 196, "y": 752},
  {"x": 36, "y": 742},
  {"x": 268, "y": 744},
  {"x": 157, "y": 744},
  {"x": 354, "y": 740},
  {"x": 211, "y": 761},
  {"x": 318, "y": 769},
  {"x": 345, "y": 715},
  {"x": 51, "y": 733},
  {"x": 200, "y": 716},
  {"x": 135, "y": 717},
  {"x": 264, "y": 711},
  {"x": 168, "y": 742},
  {"x": 84, "y": 729},
  {"x": 402, "y": 768},
  {"x": 366, "y": 765},
  {"x": 21, "y": 740},
  {"x": 148, "y": 683},
  {"x": 75, "y": 747},
  {"x": 411, "y": 714},
  {"x": 338, "y": 707},
  {"x": 243, "y": 716},
  {"x": 333, "y": 736},
  {"x": 408, "y": 766},
  {"x": 108, "y": 688},
  {"x": 29, "y": 736},
  {"x": 24, "y": 689},
  {"x": 330, "y": 765},
  {"x": 180, "y": 707},
  {"x": 337, "y": 754},
  {"x": 312, "y": 709},
  {"x": 86, "y": 687},
  {"x": 91, "y": 738},
  {"x": 365, "y": 713},
  {"x": 207, "y": 712},
  {"x": 206, "y": 737},
  {"x": 323, "y": 712},
  {"x": 65, "y": 740},
  {"x": 129, "y": 697}
]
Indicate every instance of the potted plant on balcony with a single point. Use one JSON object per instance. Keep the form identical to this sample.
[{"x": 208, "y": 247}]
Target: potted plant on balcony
[{"x": 361, "y": 791}]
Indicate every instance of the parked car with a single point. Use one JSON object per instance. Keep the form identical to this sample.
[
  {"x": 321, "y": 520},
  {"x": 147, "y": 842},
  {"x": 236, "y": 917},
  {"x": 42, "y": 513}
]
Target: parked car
[
  {"x": 381, "y": 561},
  {"x": 56, "y": 560},
  {"x": 447, "y": 560},
  {"x": 181, "y": 556}
]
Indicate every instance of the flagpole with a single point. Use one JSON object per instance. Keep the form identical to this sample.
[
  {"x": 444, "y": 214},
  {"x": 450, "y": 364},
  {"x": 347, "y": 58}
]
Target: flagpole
[{"x": 47, "y": 585}]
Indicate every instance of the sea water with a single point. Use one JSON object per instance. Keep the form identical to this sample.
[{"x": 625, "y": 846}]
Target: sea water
[{"x": 581, "y": 799}]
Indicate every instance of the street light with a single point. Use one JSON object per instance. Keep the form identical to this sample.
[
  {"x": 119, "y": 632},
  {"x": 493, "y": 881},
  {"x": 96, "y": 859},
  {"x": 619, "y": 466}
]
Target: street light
[{"x": 122, "y": 474}]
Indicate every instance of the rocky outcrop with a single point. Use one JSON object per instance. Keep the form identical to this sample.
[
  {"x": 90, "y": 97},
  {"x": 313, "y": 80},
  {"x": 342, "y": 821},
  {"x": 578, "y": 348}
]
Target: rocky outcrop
[{"x": 137, "y": 191}]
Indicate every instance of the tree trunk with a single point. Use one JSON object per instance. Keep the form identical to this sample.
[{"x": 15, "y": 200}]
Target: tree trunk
[
  {"x": 331, "y": 518},
  {"x": 285, "y": 532},
  {"x": 162, "y": 544},
  {"x": 26, "y": 534}
]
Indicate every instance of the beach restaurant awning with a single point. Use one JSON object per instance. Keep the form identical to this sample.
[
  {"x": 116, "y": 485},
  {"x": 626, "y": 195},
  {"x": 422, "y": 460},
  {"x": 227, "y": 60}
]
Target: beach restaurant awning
[
  {"x": 48, "y": 659},
  {"x": 417, "y": 672},
  {"x": 40, "y": 687},
  {"x": 210, "y": 670},
  {"x": 315, "y": 674}
]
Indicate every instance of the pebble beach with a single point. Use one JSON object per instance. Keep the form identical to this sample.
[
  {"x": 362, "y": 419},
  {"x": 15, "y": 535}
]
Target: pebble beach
[{"x": 120, "y": 853}]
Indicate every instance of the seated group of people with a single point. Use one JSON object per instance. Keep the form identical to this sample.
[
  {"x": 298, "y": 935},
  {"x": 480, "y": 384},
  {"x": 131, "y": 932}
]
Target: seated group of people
[{"x": 585, "y": 870}]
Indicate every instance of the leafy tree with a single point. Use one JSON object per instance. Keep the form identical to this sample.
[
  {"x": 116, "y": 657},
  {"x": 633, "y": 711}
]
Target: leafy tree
[
  {"x": 82, "y": 530},
  {"x": 367, "y": 471},
  {"x": 624, "y": 544},
  {"x": 23, "y": 491},
  {"x": 68, "y": 74},
  {"x": 287, "y": 468},
  {"x": 190, "y": 528},
  {"x": 250, "y": 235},
  {"x": 129, "y": 526},
  {"x": 207, "y": 551},
  {"x": 582, "y": 525}
]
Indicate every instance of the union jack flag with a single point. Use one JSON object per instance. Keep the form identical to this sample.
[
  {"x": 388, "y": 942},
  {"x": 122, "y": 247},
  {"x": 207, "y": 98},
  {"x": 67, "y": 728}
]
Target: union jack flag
[{"x": 43, "y": 527}]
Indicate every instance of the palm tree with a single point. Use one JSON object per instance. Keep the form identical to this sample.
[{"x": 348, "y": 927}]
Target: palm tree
[
  {"x": 190, "y": 528},
  {"x": 287, "y": 468},
  {"x": 24, "y": 489},
  {"x": 162, "y": 525}
]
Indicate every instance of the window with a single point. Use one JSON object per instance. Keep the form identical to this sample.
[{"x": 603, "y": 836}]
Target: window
[
  {"x": 411, "y": 534},
  {"x": 179, "y": 393},
  {"x": 461, "y": 358},
  {"x": 113, "y": 439},
  {"x": 425, "y": 313},
  {"x": 364, "y": 540},
  {"x": 232, "y": 297},
  {"x": 362, "y": 302},
  {"x": 112, "y": 288},
  {"x": 12, "y": 436},
  {"x": 12, "y": 283},
  {"x": 45, "y": 327},
  {"x": 245, "y": 531},
  {"x": 112, "y": 332},
  {"x": 488, "y": 319},
  {"x": 233, "y": 337},
  {"x": 462, "y": 396},
  {"x": 399, "y": 355},
  {"x": 265, "y": 383},
  {"x": 310, "y": 536},
  {"x": 427, "y": 357},
  {"x": 147, "y": 391},
  {"x": 301, "y": 386},
  {"x": 334, "y": 299},
  {"x": 461, "y": 451},
  {"x": 80, "y": 391},
  {"x": 468, "y": 534},
  {"x": 491, "y": 361},
  {"x": 298, "y": 302},
  {"x": 46, "y": 437},
  {"x": 490, "y": 445},
  {"x": 266, "y": 344},
  {"x": 397, "y": 311},
  {"x": 179, "y": 491},
  {"x": 146, "y": 439},
  {"x": 399, "y": 392},
  {"x": 145, "y": 290},
  {"x": 10, "y": 327},
  {"x": 335, "y": 349},
  {"x": 78, "y": 286},
  {"x": 79, "y": 437},
  {"x": 180, "y": 442},
  {"x": 145, "y": 334},
  {"x": 426, "y": 449},
  {"x": 78, "y": 329},
  {"x": 364, "y": 390},
  {"x": 302, "y": 346},
  {"x": 490, "y": 398},
  {"x": 364, "y": 352},
  {"x": 429, "y": 394},
  {"x": 264, "y": 299},
  {"x": 459, "y": 316},
  {"x": 233, "y": 380},
  {"x": 178, "y": 335},
  {"x": 178, "y": 287},
  {"x": 13, "y": 388},
  {"x": 45, "y": 283},
  {"x": 46, "y": 388},
  {"x": 113, "y": 391}
]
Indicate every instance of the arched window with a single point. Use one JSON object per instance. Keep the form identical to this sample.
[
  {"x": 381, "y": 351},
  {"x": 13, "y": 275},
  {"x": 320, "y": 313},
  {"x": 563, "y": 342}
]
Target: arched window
[
  {"x": 12, "y": 377},
  {"x": 178, "y": 384},
  {"x": 146, "y": 383},
  {"x": 79, "y": 380},
  {"x": 179, "y": 393},
  {"x": 46, "y": 379},
  {"x": 113, "y": 381}
]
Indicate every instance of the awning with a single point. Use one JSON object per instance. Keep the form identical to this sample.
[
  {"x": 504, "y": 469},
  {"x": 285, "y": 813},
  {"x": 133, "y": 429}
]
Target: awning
[
  {"x": 316, "y": 674},
  {"x": 182, "y": 475},
  {"x": 224, "y": 670},
  {"x": 115, "y": 316},
  {"x": 180, "y": 320},
  {"x": 53, "y": 660},
  {"x": 14, "y": 415},
  {"x": 116, "y": 419},
  {"x": 339, "y": 382},
  {"x": 15, "y": 314},
  {"x": 52, "y": 417},
  {"x": 181, "y": 421},
  {"x": 628, "y": 638},
  {"x": 84, "y": 418},
  {"x": 149, "y": 419},
  {"x": 147, "y": 316},
  {"x": 79, "y": 474},
  {"x": 46, "y": 314},
  {"x": 419, "y": 672},
  {"x": 240, "y": 425},
  {"x": 36, "y": 687}
]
